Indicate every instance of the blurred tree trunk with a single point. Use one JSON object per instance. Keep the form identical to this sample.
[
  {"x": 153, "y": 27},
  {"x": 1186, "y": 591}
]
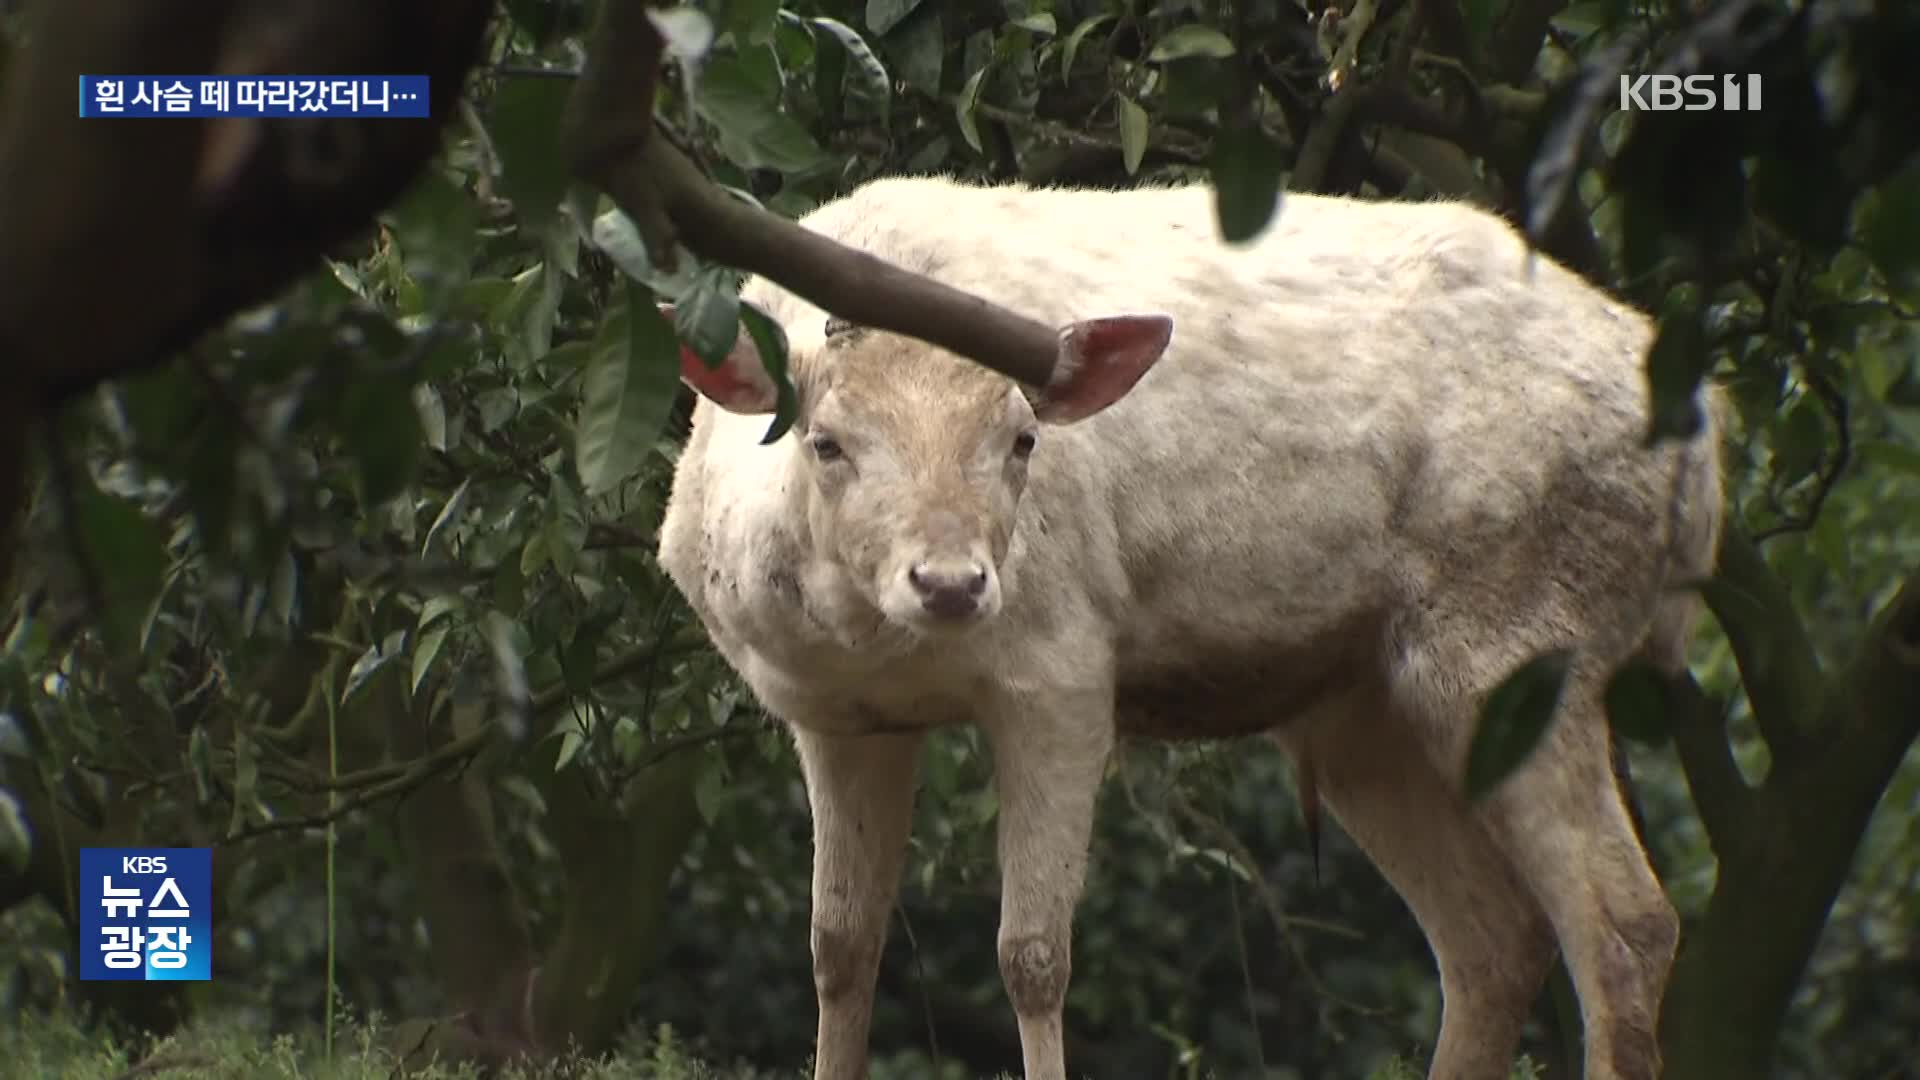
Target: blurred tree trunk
[
  {"x": 618, "y": 852},
  {"x": 1786, "y": 845}
]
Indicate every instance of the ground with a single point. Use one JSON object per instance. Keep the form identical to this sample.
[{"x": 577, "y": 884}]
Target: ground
[{"x": 60, "y": 1048}]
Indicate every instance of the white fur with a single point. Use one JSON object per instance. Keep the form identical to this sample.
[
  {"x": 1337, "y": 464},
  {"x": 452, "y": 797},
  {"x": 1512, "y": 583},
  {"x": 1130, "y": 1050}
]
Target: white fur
[{"x": 1385, "y": 459}]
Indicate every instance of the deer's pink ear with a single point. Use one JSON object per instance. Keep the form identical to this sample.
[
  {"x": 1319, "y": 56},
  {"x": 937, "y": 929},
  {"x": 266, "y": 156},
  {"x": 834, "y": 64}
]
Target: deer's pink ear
[
  {"x": 1100, "y": 360},
  {"x": 739, "y": 383}
]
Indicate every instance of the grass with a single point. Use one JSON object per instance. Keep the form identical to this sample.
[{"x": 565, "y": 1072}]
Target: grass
[{"x": 39, "y": 1047}]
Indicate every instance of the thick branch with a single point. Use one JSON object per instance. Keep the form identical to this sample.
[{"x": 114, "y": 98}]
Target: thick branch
[
  {"x": 1744, "y": 960},
  {"x": 619, "y": 859},
  {"x": 1777, "y": 662},
  {"x": 1310, "y": 169},
  {"x": 612, "y": 145},
  {"x": 1516, "y": 43},
  {"x": 849, "y": 283},
  {"x": 1873, "y": 710},
  {"x": 1720, "y": 793}
]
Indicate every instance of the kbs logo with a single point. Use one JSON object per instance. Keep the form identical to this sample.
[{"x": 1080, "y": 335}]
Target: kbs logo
[
  {"x": 1694, "y": 93},
  {"x": 144, "y": 914}
]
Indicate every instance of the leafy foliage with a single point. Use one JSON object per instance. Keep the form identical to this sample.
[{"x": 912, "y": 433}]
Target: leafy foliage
[{"x": 396, "y": 527}]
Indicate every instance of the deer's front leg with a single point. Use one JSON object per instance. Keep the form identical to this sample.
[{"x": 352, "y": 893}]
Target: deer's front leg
[
  {"x": 861, "y": 790},
  {"x": 1048, "y": 763}
]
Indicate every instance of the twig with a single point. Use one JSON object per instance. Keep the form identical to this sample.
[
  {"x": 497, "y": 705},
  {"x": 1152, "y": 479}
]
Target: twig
[
  {"x": 1832, "y": 467},
  {"x": 920, "y": 983},
  {"x": 1282, "y": 921},
  {"x": 1246, "y": 974},
  {"x": 662, "y": 749},
  {"x": 414, "y": 774}
]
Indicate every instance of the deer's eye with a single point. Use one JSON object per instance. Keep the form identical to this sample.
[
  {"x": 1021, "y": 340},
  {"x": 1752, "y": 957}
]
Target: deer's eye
[{"x": 826, "y": 448}]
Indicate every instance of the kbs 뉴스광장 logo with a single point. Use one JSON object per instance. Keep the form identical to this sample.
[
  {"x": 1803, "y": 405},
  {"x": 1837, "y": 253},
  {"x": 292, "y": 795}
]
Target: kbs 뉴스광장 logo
[{"x": 145, "y": 914}]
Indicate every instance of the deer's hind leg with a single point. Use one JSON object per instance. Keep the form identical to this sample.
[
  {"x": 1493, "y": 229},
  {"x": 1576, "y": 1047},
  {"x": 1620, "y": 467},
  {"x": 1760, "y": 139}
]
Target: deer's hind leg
[
  {"x": 1561, "y": 824},
  {"x": 1490, "y": 939}
]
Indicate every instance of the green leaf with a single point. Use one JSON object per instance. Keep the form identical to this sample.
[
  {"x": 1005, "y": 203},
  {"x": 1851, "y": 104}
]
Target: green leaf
[
  {"x": 1514, "y": 718},
  {"x": 752, "y": 21},
  {"x": 161, "y": 406},
  {"x": 707, "y": 318},
  {"x": 434, "y": 226},
  {"x": 1891, "y": 230},
  {"x": 1041, "y": 23},
  {"x": 1192, "y": 39},
  {"x": 497, "y": 407},
  {"x": 1675, "y": 365},
  {"x": 918, "y": 51},
  {"x": 283, "y": 590},
  {"x": 710, "y": 792},
  {"x": 1133, "y": 132},
  {"x": 85, "y": 793},
  {"x": 740, "y": 95},
  {"x": 571, "y": 741},
  {"x": 126, "y": 551},
  {"x": 433, "y": 415},
  {"x": 829, "y": 80},
  {"x": 455, "y": 505},
  {"x": 616, "y": 236},
  {"x": 382, "y": 432},
  {"x": 13, "y": 735},
  {"x": 581, "y": 660},
  {"x": 532, "y": 308},
  {"x": 872, "y": 76},
  {"x": 1636, "y": 702},
  {"x": 884, "y": 15},
  {"x": 425, "y": 650},
  {"x": 510, "y": 645},
  {"x": 566, "y": 534},
  {"x": 533, "y": 554},
  {"x": 626, "y": 394},
  {"x": 246, "y": 779},
  {"x": 1829, "y": 538},
  {"x": 200, "y": 763},
  {"x": 1800, "y": 440},
  {"x": 969, "y": 100},
  {"x": 771, "y": 341},
  {"x": 1246, "y": 165},
  {"x": 1892, "y": 455},
  {"x": 370, "y": 662},
  {"x": 438, "y": 607},
  {"x": 524, "y": 123},
  {"x": 1071, "y": 47},
  {"x": 16, "y": 839},
  {"x": 509, "y": 585}
]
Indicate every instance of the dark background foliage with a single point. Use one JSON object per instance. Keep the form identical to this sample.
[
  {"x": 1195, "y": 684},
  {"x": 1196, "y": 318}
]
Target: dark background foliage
[{"x": 359, "y": 588}]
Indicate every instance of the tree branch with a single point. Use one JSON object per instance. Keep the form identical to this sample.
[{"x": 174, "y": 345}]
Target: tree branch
[
  {"x": 610, "y": 139},
  {"x": 1736, "y": 977},
  {"x": 1873, "y": 709},
  {"x": 1516, "y": 44},
  {"x": 1720, "y": 793},
  {"x": 1777, "y": 662}
]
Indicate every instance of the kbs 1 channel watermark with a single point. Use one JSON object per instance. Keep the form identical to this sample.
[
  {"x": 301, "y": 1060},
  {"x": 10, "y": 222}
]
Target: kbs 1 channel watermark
[
  {"x": 400, "y": 97},
  {"x": 1689, "y": 93},
  {"x": 146, "y": 914}
]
